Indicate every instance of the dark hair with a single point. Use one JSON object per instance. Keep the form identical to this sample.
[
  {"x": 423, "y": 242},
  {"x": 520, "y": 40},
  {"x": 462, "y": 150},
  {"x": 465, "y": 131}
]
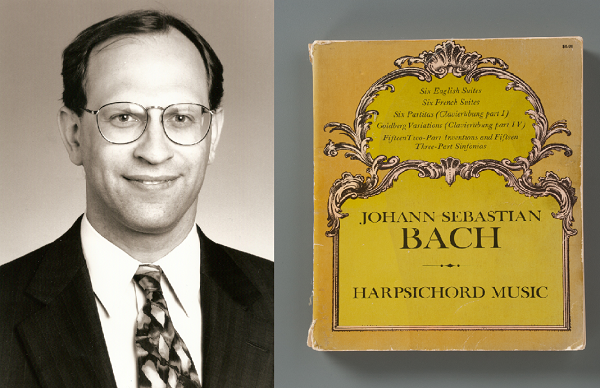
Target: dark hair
[{"x": 77, "y": 54}]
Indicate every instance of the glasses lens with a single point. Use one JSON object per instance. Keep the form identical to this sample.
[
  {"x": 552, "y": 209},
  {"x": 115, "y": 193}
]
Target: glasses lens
[
  {"x": 186, "y": 124},
  {"x": 122, "y": 122}
]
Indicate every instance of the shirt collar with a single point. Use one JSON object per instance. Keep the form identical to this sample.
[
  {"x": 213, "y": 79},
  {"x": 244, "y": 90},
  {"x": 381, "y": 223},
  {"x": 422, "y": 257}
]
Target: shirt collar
[
  {"x": 111, "y": 269},
  {"x": 181, "y": 267}
]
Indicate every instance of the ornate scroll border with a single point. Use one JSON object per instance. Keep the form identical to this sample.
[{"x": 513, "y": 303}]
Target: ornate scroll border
[{"x": 449, "y": 57}]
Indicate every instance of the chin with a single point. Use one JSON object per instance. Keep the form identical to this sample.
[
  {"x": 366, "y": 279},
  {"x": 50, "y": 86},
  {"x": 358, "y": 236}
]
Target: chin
[{"x": 152, "y": 223}]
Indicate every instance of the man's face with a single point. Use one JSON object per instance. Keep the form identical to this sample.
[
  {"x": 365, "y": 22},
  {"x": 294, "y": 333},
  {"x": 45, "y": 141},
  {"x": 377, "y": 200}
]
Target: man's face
[{"x": 150, "y": 185}]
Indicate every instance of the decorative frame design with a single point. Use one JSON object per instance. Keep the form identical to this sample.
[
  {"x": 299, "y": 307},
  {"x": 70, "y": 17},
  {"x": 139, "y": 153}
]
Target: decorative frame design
[{"x": 449, "y": 57}]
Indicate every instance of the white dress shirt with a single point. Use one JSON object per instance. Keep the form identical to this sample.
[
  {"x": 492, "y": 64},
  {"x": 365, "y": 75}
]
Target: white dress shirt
[{"x": 119, "y": 298}]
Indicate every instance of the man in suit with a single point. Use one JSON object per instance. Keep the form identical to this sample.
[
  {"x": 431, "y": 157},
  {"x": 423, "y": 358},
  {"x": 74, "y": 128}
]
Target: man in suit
[{"x": 142, "y": 115}]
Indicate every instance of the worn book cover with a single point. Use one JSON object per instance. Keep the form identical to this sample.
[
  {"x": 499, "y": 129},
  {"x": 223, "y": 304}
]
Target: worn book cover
[{"x": 448, "y": 195}]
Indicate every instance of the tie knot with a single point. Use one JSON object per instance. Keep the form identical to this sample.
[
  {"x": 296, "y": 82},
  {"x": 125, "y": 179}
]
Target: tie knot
[{"x": 148, "y": 277}]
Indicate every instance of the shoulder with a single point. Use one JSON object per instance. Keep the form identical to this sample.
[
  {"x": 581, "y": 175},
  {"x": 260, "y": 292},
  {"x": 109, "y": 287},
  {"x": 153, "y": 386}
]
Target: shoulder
[
  {"x": 246, "y": 278},
  {"x": 18, "y": 273},
  {"x": 15, "y": 278},
  {"x": 240, "y": 265},
  {"x": 260, "y": 271}
]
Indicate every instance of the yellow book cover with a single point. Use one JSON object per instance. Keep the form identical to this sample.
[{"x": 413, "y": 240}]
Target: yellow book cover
[{"x": 447, "y": 195}]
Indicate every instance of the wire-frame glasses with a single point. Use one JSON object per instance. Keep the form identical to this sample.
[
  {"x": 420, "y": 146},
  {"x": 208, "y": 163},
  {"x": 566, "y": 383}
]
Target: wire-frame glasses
[{"x": 125, "y": 122}]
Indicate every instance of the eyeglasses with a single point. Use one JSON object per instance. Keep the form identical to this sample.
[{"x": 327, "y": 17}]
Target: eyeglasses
[{"x": 125, "y": 122}]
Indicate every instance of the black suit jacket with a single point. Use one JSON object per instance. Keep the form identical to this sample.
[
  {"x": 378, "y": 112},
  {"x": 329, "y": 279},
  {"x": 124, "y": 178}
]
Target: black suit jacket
[{"x": 51, "y": 336}]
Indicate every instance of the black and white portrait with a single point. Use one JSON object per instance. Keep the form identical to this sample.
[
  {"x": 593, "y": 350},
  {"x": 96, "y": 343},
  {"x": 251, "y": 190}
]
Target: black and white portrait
[{"x": 137, "y": 156}]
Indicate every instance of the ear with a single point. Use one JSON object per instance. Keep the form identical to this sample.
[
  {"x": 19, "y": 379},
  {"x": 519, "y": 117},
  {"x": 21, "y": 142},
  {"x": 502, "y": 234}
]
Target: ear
[
  {"x": 69, "y": 126},
  {"x": 215, "y": 133}
]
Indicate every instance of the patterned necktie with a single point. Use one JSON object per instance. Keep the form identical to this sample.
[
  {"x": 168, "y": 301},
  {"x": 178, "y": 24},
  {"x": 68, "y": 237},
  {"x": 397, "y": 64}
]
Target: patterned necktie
[{"x": 163, "y": 358}]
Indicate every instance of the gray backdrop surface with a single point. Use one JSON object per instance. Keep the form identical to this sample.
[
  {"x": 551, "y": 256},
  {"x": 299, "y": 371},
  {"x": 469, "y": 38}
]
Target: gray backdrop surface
[
  {"x": 42, "y": 193},
  {"x": 298, "y": 23}
]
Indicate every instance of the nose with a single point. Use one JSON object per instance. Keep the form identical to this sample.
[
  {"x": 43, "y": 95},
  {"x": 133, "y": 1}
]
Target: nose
[{"x": 153, "y": 146}]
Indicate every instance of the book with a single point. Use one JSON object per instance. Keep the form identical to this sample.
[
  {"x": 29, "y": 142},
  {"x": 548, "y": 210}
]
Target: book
[{"x": 447, "y": 195}]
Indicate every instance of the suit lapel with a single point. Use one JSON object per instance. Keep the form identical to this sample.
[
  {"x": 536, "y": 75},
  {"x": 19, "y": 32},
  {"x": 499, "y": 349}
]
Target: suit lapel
[
  {"x": 64, "y": 339},
  {"x": 236, "y": 339}
]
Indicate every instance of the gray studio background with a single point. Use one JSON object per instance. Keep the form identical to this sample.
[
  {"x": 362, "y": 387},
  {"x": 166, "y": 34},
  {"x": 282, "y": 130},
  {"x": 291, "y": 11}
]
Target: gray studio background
[
  {"x": 42, "y": 193},
  {"x": 298, "y": 23}
]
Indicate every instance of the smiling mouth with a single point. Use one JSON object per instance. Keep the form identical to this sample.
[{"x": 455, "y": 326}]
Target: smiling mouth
[
  {"x": 154, "y": 182},
  {"x": 151, "y": 181}
]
